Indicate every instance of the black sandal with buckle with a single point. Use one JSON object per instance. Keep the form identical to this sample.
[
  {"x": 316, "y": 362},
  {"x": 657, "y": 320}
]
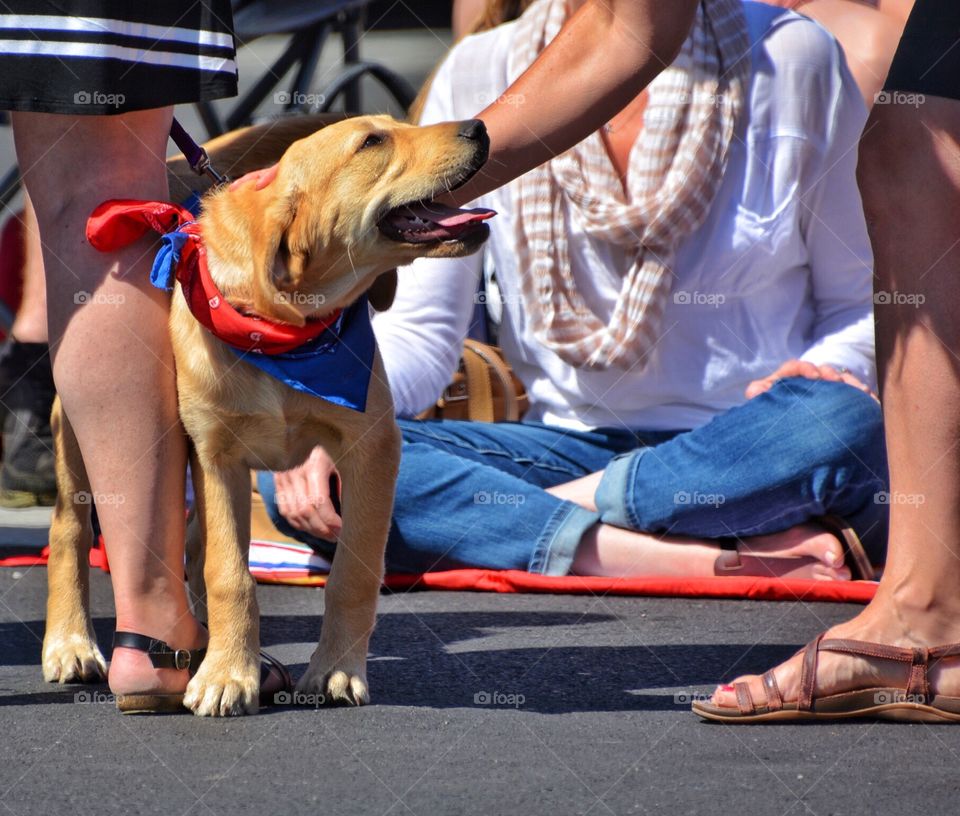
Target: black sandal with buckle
[{"x": 163, "y": 657}]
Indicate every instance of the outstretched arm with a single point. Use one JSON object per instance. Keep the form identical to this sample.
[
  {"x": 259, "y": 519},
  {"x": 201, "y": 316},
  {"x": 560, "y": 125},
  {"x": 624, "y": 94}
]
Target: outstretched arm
[
  {"x": 604, "y": 55},
  {"x": 602, "y": 58}
]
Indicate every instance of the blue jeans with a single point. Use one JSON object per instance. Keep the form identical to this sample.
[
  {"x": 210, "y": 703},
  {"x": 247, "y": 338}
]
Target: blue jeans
[{"x": 472, "y": 494}]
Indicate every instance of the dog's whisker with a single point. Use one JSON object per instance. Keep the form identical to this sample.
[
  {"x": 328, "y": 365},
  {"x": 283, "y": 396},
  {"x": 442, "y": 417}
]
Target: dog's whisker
[{"x": 353, "y": 266}]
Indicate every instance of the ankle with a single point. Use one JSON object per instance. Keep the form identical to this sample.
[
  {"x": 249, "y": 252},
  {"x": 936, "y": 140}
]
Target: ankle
[
  {"x": 132, "y": 672},
  {"x": 613, "y": 552},
  {"x": 171, "y": 622},
  {"x": 921, "y": 613}
]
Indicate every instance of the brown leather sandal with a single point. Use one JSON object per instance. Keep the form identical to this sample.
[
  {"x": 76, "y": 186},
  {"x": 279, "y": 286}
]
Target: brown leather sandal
[
  {"x": 915, "y": 703},
  {"x": 854, "y": 554},
  {"x": 163, "y": 657}
]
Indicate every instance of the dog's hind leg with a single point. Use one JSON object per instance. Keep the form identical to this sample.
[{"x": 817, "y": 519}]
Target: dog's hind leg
[
  {"x": 70, "y": 652},
  {"x": 337, "y": 671}
]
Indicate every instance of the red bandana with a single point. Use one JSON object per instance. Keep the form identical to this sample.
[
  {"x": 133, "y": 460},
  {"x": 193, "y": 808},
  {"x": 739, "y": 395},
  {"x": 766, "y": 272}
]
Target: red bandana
[{"x": 118, "y": 223}]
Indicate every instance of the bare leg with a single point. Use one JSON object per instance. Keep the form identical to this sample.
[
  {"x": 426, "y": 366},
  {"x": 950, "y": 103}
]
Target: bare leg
[
  {"x": 30, "y": 324},
  {"x": 805, "y": 551},
  {"x": 580, "y": 491},
  {"x": 27, "y": 473},
  {"x": 910, "y": 179},
  {"x": 113, "y": 366}
]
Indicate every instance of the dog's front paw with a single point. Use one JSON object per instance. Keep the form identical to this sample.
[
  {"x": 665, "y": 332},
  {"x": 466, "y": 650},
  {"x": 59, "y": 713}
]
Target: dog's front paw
[
  {"x": 72, "y": 658},
  {"x": 224, "y": 688},
  {"x": 338, "y": 686}
]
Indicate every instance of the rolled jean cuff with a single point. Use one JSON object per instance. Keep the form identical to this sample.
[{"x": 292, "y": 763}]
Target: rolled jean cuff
[
  {"x": 557, "y": 545},
  {"x": 614, "y": 487}
]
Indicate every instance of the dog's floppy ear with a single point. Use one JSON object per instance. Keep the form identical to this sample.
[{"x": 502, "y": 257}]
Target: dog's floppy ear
[
  {"x": 383, "y": 290},
  {"x": 277, "y": 272}
]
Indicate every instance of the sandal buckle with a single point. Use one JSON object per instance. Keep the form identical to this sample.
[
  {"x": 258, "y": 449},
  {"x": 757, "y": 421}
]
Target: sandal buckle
[{"x": 181, "y": 659}]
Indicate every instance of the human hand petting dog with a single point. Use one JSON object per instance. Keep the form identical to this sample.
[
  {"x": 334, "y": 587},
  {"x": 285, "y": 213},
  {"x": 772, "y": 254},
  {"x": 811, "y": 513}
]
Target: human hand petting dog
[
  {"x": 304, "y": 496},
  {"x": 802, "y": 368},
  {"x": 262, "y": 177}
]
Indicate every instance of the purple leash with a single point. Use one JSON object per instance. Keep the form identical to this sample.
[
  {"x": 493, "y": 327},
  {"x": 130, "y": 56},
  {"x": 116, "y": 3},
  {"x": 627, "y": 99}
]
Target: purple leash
[{"x": 196, "y": 156}]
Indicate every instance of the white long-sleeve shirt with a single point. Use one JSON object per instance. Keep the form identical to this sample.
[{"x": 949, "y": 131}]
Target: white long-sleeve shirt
[{"x": 781, "y": 268}]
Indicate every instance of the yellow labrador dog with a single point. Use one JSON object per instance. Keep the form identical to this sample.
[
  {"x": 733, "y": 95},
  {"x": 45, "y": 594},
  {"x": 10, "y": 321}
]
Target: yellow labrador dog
[{"x": 350, "y": 202}]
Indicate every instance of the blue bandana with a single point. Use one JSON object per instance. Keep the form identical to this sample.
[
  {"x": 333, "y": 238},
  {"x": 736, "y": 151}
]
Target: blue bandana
[
  {"x": 335, "y": 367},
  {"x": 163, "y": 273}
]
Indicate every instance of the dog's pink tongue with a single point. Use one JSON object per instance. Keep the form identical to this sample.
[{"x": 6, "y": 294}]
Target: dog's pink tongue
[{"x": 448, "y": 217}]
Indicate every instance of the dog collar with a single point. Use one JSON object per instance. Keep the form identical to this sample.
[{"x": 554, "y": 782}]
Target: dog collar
[{"x": 182, "y": 257}]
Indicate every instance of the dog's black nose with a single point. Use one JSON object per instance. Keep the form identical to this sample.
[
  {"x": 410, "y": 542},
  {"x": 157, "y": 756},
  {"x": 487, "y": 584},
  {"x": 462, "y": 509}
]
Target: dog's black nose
[{"x": 472, "y": 129}]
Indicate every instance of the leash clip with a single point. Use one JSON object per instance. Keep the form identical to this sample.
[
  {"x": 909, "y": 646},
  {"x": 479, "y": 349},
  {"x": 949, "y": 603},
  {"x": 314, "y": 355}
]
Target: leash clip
[
  {"x": 195, "y": 155},
  {"x": 203, "y": 167}
]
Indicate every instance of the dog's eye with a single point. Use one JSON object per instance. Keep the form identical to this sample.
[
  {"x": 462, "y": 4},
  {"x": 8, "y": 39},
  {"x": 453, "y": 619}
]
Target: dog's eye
[{"x": 372, "y": 141}]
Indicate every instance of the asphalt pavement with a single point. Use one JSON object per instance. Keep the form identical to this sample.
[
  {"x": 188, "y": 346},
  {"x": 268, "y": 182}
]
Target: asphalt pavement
[{"x": 482, "y": 704}]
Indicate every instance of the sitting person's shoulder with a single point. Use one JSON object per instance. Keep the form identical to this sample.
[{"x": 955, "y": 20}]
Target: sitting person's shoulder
[
  {"x": 492, "y": 40},
  {"x": 789, "y": 40},
  {"x": 801, "y": 83}
]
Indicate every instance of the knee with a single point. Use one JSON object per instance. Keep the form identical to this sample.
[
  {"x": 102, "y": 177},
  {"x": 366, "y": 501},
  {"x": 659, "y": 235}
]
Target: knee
[
  {"x": 840, "y": 403},
  {"x": 72, "y": 204},
  {"x": 884, "y": 146},
  {"x": 848, "y": 426},
  {"x": 69, "y": 203}
]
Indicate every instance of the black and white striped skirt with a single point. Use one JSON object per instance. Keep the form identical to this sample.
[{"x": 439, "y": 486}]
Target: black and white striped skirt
[{"x": 96, "y": 57}]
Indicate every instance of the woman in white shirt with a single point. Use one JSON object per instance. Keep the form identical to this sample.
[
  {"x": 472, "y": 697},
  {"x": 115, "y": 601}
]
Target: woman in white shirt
[{"x": 741, "y": 419}]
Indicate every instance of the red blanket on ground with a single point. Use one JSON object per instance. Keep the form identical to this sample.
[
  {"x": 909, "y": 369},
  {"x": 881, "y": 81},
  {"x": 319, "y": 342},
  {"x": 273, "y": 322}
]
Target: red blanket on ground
[{"x": 283, "y": 564}]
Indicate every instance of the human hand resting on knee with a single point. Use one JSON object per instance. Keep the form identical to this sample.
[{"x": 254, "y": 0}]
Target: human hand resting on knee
[
  {"x": 811, "y": 371},
  {"x": 304, "y": 496}
]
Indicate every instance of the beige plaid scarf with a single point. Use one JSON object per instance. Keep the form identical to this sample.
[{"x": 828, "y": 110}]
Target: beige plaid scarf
[{"x": 674, "y": 174}]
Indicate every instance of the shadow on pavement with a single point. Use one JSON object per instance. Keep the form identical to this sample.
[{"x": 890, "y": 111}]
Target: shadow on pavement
[{"x": 517, "y": 661}]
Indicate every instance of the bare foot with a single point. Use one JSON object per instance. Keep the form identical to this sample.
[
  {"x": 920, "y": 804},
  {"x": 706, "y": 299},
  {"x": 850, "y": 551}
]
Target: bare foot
[
  {"x": 838, "y": 672},
  {"x": 805, "y": 551}
]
